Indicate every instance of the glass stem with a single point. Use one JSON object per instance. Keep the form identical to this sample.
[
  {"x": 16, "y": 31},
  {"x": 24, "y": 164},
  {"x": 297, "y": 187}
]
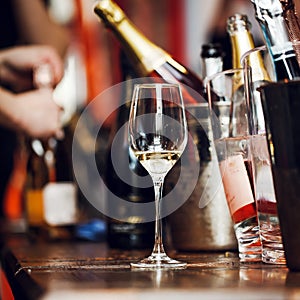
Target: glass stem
[{"x": 158, "y": 243}]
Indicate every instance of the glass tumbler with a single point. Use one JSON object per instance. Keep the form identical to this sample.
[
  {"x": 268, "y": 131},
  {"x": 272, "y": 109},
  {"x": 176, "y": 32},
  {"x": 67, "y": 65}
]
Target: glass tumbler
[{"x": 264, "y": 193}]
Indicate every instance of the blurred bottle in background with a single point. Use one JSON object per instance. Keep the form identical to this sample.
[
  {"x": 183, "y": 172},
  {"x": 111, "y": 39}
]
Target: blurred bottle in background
[{"x": 50, "y": 191}]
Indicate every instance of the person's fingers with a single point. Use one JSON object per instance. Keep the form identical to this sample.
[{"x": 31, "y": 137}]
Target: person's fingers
[
  {"x": 26, "y": 58},
  {"x": 15, "y": 80},
  {"x": 48, "y": 56}
]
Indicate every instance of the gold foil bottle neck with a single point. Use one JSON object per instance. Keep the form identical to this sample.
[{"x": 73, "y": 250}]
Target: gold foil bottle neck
[{"x": 145, "y": 55}]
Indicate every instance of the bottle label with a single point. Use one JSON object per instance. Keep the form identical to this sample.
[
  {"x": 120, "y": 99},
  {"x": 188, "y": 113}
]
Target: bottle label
[
  {"x": 34, "y": 207},
  {"x": 236, "y": 183},
  {"x": 212, "y": 66},
  {"x": 60, "y": 205}
]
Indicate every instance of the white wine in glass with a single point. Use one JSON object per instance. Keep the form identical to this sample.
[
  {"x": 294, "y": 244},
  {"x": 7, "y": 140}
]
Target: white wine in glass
[{"x": 157, "y": 137}]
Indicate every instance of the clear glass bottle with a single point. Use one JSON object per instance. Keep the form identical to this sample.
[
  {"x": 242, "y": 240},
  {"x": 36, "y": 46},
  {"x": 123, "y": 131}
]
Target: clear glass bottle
[{"x": 269, "y": 15}]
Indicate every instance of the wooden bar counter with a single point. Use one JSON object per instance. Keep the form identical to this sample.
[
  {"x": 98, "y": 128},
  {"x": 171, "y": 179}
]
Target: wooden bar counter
[{"x": 89, "y": 270}]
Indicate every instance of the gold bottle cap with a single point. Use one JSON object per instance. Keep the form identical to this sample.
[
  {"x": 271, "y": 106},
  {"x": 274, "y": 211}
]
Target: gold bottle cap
[{"x": 109, "y": 12}]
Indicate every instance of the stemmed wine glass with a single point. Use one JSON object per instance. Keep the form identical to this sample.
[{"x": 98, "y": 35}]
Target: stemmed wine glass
[{"x": 157, "y": 137}]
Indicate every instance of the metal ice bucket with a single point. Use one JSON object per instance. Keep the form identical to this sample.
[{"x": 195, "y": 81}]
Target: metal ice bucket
[{"x": 202, "y": 222}]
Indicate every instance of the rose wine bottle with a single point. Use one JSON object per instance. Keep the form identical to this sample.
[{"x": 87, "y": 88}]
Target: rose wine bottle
[
  {"x": 148, "y": 59},
  {"x": 237, "y": 167},
  {"x": 238, "y": 188},
  {"x": 238, "y": 27}
]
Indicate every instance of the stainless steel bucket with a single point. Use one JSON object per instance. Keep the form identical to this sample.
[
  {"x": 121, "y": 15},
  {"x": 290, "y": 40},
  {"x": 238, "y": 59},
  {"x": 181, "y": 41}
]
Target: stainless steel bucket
[{"x": 203, "y": 222}]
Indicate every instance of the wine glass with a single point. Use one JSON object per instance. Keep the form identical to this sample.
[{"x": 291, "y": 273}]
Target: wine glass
[{"x": 157, "y": 137}]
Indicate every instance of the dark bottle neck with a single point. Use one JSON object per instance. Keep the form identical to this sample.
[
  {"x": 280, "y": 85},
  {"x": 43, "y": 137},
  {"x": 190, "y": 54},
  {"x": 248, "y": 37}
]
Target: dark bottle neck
[{"x": 270, "y": 17}]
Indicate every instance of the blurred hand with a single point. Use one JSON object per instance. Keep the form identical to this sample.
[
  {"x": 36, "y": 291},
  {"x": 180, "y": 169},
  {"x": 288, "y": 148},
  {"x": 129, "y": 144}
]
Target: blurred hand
[
  {"x": 17, "y": 65},
  {"x": 37, "y": 114}
]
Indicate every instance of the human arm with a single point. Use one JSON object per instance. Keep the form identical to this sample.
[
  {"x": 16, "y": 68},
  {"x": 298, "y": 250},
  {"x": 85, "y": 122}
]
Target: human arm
[
  {"x": 17, "y": 65},
  {"x": 34, "y": 113},
  {"x": 36, "y": 27}
]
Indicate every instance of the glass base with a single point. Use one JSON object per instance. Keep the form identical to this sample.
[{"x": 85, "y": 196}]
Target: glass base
[
  {"x": 159, "y": 261},
  {"x": 272, "y": 247},
  {"x": 271, "y": 256},
  {"x": 249, "y": 243}
]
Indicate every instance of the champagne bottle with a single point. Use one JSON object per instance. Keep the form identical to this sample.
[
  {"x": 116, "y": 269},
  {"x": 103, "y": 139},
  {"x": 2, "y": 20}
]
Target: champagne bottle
[
  {"x": 50, "y": 193},
  {"x": 239, "y": 29},
  {"x": 147, "y": 58},
  {"x": 292, "y": 23},
  {"x": 128, "y": 230},
  {"x": 269, "y": 15}
]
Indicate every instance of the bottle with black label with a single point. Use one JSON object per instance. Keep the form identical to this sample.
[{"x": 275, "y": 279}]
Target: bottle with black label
[
  {"x": 269, "y": 15},
  {"x": 212, "y": 56},
  {"x": 293, "y": 24}
]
